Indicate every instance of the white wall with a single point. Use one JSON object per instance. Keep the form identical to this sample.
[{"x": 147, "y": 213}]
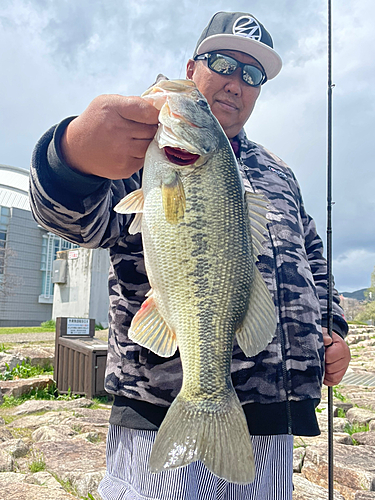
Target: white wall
[{"x": 85, "y": 293}]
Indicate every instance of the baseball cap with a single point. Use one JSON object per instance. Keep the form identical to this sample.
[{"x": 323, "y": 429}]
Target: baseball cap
[{"x": 243, "y": 32}]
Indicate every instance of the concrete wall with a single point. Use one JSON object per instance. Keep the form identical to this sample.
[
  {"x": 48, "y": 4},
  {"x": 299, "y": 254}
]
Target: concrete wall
[
  {"x": 85, "y": 293},
  {"x": 20, "y": 307}
]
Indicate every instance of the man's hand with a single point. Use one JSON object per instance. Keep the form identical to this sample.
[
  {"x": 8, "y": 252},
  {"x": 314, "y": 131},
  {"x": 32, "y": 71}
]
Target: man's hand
[
  {"x": 337, "y": 358},
  {"x": 110, "y": 137}
]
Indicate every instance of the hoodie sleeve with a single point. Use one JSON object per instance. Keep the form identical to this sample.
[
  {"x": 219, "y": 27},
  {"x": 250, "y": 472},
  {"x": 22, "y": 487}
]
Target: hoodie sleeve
[{"x": 75, "y": 206}]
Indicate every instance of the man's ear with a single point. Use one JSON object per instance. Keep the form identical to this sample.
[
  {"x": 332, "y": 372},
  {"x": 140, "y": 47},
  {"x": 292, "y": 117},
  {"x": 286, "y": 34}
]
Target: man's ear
[{"x": 190, "y": 67}]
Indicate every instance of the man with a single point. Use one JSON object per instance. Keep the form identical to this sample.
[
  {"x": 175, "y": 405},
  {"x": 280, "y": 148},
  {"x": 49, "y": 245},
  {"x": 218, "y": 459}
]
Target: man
[{"x": 85, "y": 165}]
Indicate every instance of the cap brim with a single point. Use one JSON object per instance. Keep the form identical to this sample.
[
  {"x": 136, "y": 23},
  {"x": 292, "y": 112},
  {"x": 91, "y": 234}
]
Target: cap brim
[{"x": 268, "y": 58}]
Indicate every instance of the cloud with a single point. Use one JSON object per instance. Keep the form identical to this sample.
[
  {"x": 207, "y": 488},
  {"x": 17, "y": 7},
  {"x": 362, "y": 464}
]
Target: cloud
[
  {"x": 58, "y": 56},
  {"x": 352, "y": 268}
]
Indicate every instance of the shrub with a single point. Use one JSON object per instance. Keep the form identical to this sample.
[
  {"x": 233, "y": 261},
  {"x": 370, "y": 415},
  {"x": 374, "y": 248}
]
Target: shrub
[
  {"x": 49, "y": 324},
  {"x": 24, "y": 370}
]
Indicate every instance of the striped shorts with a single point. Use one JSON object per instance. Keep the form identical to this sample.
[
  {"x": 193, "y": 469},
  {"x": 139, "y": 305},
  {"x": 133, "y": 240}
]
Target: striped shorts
[{"x": 128, "y": 477}]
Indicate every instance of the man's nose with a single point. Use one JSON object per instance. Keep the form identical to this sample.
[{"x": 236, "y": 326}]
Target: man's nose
[{"x": 234, "y": 83}]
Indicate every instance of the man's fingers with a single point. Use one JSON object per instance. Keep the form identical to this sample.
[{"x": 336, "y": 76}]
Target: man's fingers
[
  {"x": 327, "y": 340},
  {"x": 138, "y": 148},
  {"x": 120, "y": 170},
  {"x": 334, "y": 379},
  {"x": 334, "y": 353},
  {"x": 110, "y": 137},
  {"x": 336, "y": 365},
  {"x": 337, "y": 358},
  {"x": 143, "y": 131},
  {"x": 136, "y": 109}
]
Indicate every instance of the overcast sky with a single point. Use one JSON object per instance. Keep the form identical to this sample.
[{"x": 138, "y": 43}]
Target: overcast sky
[{"x": 57, "y": 55}]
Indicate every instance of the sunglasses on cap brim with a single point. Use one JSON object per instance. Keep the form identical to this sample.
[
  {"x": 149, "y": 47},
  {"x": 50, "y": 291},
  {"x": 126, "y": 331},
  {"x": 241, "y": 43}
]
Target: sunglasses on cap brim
[{"x": 227, "y": 65}]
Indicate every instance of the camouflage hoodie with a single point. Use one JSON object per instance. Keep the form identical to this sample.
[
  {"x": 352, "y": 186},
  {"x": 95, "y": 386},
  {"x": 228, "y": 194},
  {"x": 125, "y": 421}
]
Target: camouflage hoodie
[{"x": 279, "y": 387}]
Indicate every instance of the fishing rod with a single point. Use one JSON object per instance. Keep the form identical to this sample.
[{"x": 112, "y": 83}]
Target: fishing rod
[{"x": 329, "y": 249}]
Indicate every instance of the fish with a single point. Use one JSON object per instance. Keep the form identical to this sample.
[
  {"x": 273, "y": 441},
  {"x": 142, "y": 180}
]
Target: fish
[{"x": 202, "y": 234}]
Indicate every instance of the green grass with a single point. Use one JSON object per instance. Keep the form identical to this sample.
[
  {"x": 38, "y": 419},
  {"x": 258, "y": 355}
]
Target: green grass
[
  {"x": 66, "y": 484},
  {"x": 45, "y": 327},
  {"x": 355, "y": 427},
  {"x": 102, "y": 400},
  {"x": 341, "y": 413},
  {"x": 49, "y": 324},
  {"x": 38, "y": 464},
  {"x": 48, "y": 393},
  {"x": 337, "y": 394},
  {"x": 24, "y": 370},
  {"x": 25, "y": 329},
  {"x": 94, "y": 439}
]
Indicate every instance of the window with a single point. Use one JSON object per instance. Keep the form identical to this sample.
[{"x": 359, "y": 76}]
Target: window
[
  {"x": 4, "y": 222},
  {"x": 50, "y": 246}
]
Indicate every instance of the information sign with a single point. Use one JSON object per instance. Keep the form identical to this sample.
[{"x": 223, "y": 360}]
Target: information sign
[{"x": 78, "y": 326}]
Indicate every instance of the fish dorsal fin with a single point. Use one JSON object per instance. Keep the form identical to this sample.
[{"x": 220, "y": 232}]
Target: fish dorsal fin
[
  {"x": 257, "y": 208},
  {"x": 149, "y": 330},
  {"x": 173, "y": 195},
  {"x": 132, "y": 203},
  {"x": 259, "y": 325}
]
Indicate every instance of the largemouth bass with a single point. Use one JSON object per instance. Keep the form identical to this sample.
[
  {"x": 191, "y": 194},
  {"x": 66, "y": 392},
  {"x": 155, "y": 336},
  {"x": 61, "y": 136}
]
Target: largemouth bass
[{"x": 201, "y": 237}]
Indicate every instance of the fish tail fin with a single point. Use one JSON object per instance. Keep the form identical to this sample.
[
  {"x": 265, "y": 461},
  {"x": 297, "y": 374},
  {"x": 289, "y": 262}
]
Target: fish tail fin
[{"x": 219, "y": 438}]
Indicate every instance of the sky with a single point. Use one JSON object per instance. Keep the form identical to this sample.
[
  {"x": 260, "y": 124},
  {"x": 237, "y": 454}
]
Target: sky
[{"x": 58, "y": 55}]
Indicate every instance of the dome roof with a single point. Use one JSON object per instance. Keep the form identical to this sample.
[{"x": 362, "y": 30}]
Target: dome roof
[{"x": 14, "y": 187}]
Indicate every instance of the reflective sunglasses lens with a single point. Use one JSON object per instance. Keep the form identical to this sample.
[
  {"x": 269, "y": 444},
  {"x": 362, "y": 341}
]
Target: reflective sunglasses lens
[
  {"x": 252, "y": 75},
  {"x": 224, "y": 65}
]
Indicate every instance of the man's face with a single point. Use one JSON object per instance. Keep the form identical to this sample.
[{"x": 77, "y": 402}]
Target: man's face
[{"x": 230, "y": 98}]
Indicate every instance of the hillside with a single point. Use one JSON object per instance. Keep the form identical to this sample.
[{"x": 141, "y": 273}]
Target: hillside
[{"x": 358, "y": 294}]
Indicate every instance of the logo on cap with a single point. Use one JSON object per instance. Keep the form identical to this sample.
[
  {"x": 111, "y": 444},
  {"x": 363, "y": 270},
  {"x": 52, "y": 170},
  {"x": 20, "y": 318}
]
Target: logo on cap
[{"x": 247, "y": 26}]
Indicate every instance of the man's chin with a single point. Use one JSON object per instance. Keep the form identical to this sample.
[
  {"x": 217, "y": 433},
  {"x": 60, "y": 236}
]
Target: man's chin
[
  {"x": 231, "y": 127},
  {"x": 231, "y": 130}
]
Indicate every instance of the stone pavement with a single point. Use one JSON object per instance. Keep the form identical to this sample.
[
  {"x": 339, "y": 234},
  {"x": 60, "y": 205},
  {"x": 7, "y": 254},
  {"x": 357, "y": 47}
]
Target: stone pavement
[{"x": 67, "y": 439}]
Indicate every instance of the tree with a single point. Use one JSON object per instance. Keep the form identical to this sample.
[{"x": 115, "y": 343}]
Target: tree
[
  {"x": 370, "y": 292},
  {"x": 368, "y": 313}
]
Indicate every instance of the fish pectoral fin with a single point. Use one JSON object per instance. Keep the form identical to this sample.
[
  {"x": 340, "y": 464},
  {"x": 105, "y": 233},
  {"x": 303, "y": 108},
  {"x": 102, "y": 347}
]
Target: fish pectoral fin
[
  {"x": 173, "y": 195},
  {"x": 259, "y": 325},
  {"x": 136, "y": 226},
  {"x": 219, "y": 438},
  {"x": 132, "y": 203},
  {"x": 257, "y": 210},
  {"x": 149, "y": 330}
]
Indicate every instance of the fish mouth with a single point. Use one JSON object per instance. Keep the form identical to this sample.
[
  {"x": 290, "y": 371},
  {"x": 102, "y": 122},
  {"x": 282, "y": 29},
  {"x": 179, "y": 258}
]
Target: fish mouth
[{"x": 180, "y": 156}]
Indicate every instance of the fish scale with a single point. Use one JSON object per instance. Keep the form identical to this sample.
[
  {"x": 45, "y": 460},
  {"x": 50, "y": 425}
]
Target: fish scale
[{"x": 205, "y": 287}]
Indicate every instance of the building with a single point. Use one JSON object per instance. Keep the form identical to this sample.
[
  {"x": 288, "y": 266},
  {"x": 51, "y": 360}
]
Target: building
[{"x": 27, "y": 252}]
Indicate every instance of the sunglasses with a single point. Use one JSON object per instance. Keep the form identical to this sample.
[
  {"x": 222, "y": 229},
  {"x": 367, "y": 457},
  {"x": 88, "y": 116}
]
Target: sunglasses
[{"x": 226, "y": 65}]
